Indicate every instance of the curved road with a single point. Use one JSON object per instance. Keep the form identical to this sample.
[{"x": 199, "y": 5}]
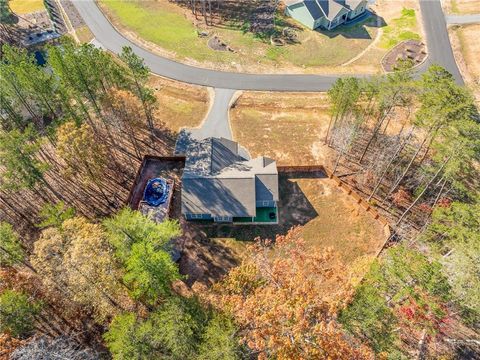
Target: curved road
[{"x": 440, "y": 52}]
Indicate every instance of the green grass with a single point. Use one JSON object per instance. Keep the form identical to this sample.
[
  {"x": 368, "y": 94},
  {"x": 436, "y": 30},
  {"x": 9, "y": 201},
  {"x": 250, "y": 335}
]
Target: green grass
[
  {"x": 169, "y": 29},
  {"x": 165, "y": 24},
  {"x": 26, "y": 6},
  {"x": 400, "y": 29}
]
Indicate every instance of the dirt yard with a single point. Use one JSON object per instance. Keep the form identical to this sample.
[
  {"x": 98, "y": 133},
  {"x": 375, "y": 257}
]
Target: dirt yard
[
  {"x": 179, "y": 105},
  {"x": 462, "y": 6},
  {"x": 467, "y": 53},
  {"x": 288, "y": 127},
  {"x": 328, "y": 217}
]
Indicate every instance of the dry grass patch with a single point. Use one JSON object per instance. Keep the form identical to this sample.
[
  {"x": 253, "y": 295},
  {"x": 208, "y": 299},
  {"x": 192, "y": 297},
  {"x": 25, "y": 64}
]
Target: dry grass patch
[
  {"x": 288, "y": 127},
  {"x": 26, "y": 6},
  {"x": 84, "y": 34},
  {"x": 179, "y": 105},
  {"x": 340, "y": 223},
  {"x": 328, "y": 218},
  {"x": 467, "y": 53},
  {"x": 463, "y": 6}
]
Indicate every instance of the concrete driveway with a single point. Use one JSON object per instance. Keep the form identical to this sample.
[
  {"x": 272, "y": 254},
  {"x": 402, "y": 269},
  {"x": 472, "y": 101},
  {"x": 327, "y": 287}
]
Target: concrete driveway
[{"x": 463, "y": 19}]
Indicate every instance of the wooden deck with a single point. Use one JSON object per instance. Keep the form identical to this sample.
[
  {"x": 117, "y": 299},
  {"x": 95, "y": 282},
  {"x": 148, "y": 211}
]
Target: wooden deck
[{"x": 169, "y": 168}]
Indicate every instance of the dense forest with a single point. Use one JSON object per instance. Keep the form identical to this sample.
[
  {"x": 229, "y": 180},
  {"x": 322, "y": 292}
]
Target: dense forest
[{"x": 82, "y": 277}]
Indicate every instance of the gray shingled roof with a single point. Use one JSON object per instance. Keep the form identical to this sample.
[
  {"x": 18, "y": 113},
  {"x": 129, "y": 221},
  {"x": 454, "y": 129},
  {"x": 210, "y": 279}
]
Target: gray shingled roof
[
  {"x": 218, "y": 181},
  {"x": 219, "y": 197}
]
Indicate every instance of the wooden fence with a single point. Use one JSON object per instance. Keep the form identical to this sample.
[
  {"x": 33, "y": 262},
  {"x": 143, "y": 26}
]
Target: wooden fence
[{"x": 147, "y": 158}]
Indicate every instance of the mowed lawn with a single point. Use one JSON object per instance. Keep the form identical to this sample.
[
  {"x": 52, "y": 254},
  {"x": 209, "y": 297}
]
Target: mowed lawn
[
  {"x": 288, "y": 127},
  {"x": 26, "y": 6},
  {"x": 171, "y": 28},
  {"x": 163, "y": 24},
  {"x": 179, "y": 105},
  {"x": 400, "y": 29}
]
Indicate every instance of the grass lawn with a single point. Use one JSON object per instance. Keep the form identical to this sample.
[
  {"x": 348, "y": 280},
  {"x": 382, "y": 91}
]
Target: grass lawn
[
  {"x": 84, "y": 34},
  {"x": 465, "y": 6},
  {"x": 26, "y": 6},
  {"x": 164, "y": 24},
  {"x": 179, "y": 105},
  {"x": 403, "y": 28},
  {"x": 288, "y": 127},
  {"x": 170, "y": 30}
]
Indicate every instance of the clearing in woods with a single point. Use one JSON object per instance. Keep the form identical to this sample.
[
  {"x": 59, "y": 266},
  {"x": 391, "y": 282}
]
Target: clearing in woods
[
  {"x": 21, "y": 7},
  {"x": 328, "y": 218},
  {"x": 288, "y": 127}
]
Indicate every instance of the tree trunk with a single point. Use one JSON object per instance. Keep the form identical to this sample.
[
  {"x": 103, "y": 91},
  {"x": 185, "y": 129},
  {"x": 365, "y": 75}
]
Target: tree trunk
[
  {"x": 392, "y": 159},
  {"x": 423, "y": 191}
]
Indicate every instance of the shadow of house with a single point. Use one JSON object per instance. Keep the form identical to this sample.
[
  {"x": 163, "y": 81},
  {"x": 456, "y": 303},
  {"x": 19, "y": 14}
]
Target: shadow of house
[{"x": 295, "y": 209}]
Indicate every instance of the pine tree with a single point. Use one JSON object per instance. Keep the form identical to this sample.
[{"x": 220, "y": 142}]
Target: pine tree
[{"x": 17, "y": 313}]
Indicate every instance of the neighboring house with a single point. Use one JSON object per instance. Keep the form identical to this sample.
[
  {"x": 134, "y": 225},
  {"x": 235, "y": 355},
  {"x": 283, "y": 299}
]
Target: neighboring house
[
  {"x": 326, "y": 14},
  {"x": 220, "y": 185}
]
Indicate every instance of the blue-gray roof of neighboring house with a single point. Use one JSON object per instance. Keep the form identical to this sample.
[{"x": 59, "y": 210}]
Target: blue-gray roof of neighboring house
[
  {"x": 326, "y": 8},
  {"x": 313, "y": 8}
]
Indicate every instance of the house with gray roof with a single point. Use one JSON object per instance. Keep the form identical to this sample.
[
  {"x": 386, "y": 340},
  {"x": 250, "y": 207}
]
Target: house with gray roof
[
  {"x": 220, "y": 184},
  {"x": 326, "y": 14}
]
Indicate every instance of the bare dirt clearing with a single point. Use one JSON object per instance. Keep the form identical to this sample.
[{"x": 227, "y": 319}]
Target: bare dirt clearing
[
  {"x": 466, "y": 49},
  {"x": 288, "y": 127}
]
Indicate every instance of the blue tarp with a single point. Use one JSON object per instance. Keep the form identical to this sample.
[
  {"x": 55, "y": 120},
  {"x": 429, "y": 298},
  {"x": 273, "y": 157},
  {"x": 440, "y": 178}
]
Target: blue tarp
[{"x": 156, "y": 192}]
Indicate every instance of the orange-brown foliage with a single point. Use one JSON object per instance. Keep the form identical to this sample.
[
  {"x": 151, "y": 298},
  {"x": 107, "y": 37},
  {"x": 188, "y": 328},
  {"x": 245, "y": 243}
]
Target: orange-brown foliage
[{"x": 278, "y": 297}]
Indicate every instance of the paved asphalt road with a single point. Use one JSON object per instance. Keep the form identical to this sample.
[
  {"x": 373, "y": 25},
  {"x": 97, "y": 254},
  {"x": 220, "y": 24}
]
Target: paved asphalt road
[
  {"x": 440, "y": 52},
  {"x": 463, "y": 19},
  {"x": 438, "y": 43}
]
